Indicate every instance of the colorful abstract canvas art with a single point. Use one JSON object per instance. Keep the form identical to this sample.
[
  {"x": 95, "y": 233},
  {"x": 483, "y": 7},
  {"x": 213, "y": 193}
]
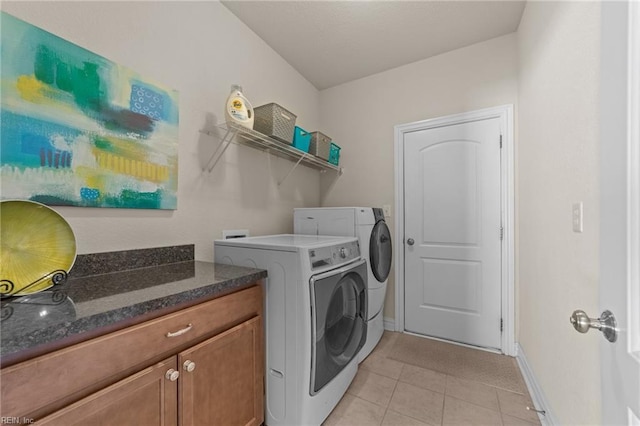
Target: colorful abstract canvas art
[{"x": 80, "y": 130}]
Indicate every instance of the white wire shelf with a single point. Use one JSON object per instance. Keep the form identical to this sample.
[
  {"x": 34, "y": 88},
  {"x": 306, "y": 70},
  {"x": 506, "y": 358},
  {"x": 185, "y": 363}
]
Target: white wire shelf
[{"x": 230, "y": 132}]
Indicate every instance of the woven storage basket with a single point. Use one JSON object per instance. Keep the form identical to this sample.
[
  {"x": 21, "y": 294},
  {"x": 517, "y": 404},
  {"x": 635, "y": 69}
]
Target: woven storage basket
[
  {"x": 320, "y": 145},
  {"x": 274, "y": 121}
]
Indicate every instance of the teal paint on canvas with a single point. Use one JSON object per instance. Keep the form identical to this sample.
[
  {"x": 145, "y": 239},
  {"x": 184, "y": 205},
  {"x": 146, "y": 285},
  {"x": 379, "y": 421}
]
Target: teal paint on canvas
[{"x": 78, "y": 129}]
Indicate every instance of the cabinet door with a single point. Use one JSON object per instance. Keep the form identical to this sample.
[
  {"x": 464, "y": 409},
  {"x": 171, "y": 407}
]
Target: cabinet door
[
  {"x": 145, "y": 398},
  {"x": 226, "y": 386}
]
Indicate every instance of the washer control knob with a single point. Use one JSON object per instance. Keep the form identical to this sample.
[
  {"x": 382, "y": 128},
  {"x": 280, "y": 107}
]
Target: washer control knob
[{"x": 343, "y": 252}]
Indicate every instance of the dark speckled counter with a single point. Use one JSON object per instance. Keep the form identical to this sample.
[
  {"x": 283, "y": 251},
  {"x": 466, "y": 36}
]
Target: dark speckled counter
[{"x": 143, "y": 284}]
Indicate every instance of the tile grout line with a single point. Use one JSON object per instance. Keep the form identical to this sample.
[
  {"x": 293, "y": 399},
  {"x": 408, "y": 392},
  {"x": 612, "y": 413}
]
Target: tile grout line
[
  {"x": 471, "y": 402},
  {"x": 499, "y": 407},
  {"x": 389, "y": 403},
  {"x": 446, "y": 386}
]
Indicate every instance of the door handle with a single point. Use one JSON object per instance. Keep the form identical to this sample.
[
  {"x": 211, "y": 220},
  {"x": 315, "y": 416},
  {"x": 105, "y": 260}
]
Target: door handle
[
  {"x": 606, "y": 324},
  {"x": 410, "y": 241}
]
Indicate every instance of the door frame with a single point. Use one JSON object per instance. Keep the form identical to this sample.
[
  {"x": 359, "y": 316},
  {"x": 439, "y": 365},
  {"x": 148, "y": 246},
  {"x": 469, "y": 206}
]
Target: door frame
[
  {"x": 507, "y": 209},
  {"x": 633, "y": 173}
]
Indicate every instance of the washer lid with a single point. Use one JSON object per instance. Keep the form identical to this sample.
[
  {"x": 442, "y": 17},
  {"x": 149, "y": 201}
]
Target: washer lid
[
  {"x": 380, "y": 251},
  {"x": 285, "y": 242}
]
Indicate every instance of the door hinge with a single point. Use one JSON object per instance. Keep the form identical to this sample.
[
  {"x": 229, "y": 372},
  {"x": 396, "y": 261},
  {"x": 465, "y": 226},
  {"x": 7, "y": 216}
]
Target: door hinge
[
  {"x": 500, "y": 141},
  {"x": 501, "y": 233},
  {"x": 501, "y": 324}
]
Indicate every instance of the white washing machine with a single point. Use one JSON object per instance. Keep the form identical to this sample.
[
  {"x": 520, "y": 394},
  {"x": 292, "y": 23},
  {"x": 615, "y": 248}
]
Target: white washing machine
[
  {"x": 369, "y": 226},
  {"x": 315, "y": 319}
]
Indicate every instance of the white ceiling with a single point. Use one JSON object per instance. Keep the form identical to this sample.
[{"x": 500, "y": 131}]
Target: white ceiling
[{"x": 333, "y": 42}]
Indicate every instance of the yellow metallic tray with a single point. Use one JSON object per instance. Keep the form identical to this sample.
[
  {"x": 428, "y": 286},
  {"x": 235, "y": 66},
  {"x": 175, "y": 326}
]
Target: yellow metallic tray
[{"x": 37, "y": 247}]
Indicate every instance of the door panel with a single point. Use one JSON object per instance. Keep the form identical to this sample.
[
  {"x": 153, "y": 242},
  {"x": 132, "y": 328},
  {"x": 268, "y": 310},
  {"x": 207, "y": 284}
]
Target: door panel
[
  {"x": 452, "y": 285},
  {"x": 380, "y": 252},
  {"x": 226, "y": 386},
  {"x": 450, "y": 205},
  {"x": 339, "y": 310},
  {"x": 620, "y": 211},
  {"x": 145, "y": 398},
  {"x": 453, "y": 214}
]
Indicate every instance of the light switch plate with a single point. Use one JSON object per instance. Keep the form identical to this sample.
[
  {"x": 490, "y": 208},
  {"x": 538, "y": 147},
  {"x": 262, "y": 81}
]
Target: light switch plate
[
  {"x": 386, "y": 210},
  {"x": 578, "y": 217}
]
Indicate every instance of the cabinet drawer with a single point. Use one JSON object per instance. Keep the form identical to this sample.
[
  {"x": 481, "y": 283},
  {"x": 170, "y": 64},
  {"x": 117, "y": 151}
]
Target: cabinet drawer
[{"x": 46, "y": 383}]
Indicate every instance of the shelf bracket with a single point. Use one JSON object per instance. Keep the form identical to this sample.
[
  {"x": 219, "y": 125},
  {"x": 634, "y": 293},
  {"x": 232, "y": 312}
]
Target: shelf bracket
[
  {"x": 217, "y": 154},
  {"x": 291, "y": 169},
  {"x": 339, "y": 172}
]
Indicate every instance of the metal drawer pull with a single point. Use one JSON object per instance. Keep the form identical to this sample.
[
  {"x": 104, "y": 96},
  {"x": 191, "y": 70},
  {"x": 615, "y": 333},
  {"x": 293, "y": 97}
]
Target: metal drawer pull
[{"x": 180, "y": 332}]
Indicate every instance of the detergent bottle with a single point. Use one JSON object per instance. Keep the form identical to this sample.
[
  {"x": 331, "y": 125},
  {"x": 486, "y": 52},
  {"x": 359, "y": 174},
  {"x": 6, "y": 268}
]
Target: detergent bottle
[{"x": 238, "y": 109}]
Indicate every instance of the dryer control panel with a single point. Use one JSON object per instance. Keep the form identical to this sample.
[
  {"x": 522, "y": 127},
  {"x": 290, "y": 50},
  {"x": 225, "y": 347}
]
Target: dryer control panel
[{"x": 322, "y": 257}]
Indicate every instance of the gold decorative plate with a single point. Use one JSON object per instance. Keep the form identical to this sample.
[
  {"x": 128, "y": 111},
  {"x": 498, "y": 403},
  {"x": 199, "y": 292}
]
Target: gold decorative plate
[{"x": 37, "y": 247}]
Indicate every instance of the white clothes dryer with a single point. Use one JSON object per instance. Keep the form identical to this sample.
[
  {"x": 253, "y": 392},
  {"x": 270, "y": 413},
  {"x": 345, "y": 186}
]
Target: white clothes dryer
[
  {"x": 315, "y": 319},
  {"x": 369, "y": 226}
]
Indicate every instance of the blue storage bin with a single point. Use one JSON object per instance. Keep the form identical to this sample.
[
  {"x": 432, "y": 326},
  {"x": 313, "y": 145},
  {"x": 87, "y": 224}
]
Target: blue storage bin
[
  {"x": 301, "y": 139},
  {"x": 334, "y": 154}
]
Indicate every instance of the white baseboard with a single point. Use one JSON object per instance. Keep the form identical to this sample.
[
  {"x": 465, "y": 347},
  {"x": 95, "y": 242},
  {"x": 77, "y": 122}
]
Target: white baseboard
[
  {"x": 537, "y": 395},
  {"x": 389, "y": 324}
]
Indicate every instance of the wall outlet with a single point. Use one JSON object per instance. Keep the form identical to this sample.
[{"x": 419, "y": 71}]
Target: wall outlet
[
  {"x": 577, "y": 217},
  {"x": 386, "y": 210}
]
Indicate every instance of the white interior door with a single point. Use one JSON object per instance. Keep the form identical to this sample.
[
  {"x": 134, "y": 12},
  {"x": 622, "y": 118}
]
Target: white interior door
[
  {"x": 620, "y": 211},
  {"x": 452, "y": 224}
]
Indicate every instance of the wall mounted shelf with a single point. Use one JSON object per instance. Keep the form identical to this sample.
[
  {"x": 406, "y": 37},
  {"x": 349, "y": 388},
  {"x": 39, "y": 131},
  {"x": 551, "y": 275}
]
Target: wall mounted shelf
[{"x": 230, "y": 132}]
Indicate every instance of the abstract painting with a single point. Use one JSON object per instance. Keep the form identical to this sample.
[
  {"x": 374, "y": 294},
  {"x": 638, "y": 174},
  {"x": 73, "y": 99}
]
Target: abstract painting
[{"x": 78, "y": 129}]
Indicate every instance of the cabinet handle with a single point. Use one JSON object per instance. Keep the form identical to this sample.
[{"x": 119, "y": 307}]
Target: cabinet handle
[
  {"x": 172, "y": 375},
  {"x": 180, "y": 332},
  {"x": 189, "y": 365}
]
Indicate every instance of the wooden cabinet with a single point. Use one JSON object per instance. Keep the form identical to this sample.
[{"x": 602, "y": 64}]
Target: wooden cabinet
[
  {"x": 225, "y": 387},
  {"x": 145, "y": 398},
  {"x": 124, "y": 377}
]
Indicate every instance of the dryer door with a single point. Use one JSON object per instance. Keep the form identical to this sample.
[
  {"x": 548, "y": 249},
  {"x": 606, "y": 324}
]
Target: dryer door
[
  {"x": 339, "y": 329},
  {"x": 380, "y": 251}
]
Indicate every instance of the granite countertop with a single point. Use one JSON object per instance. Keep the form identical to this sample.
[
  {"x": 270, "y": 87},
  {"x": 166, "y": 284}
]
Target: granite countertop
[{"x": 105, "y": 292}]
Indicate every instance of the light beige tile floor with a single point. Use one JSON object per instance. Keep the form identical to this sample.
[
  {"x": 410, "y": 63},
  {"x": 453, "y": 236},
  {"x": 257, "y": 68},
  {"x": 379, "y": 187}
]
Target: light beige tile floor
[{"x": 390, "y": 393}]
